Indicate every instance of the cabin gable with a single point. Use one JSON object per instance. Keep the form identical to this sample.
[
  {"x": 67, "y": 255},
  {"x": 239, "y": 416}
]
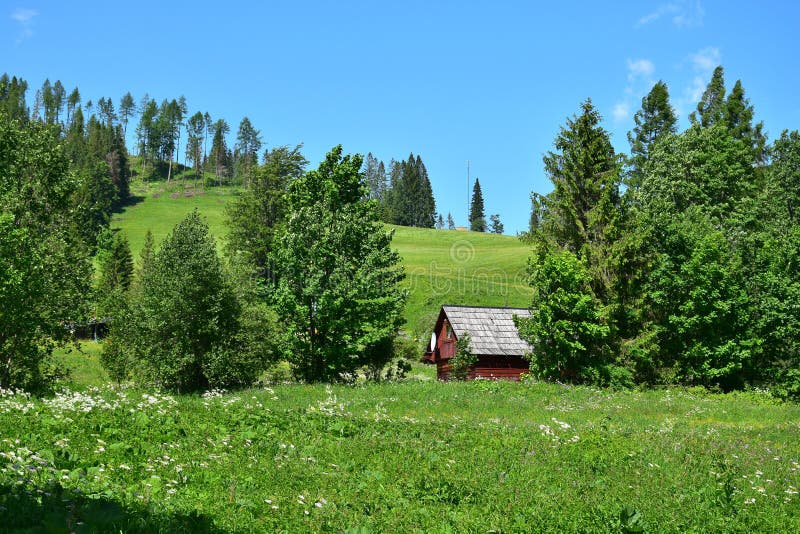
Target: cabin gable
[{"x": 494, "y": 339}]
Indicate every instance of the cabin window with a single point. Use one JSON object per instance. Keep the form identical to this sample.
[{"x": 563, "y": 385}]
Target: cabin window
[{"x": 449, "y": 332}]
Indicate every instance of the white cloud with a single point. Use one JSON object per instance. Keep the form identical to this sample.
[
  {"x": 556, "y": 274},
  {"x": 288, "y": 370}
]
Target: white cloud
[
  {"x": 640, "y": 81},
  {"x": 24, "y": 18},
  {"x": 684, "y": 14},
  {"x": 690, "y": 17},
  {"x": 705, "y": 60},
  {"x": 663, "y": 9},
  {"x": 622, "y": 110},
  {"x": 640, "y": 68}
]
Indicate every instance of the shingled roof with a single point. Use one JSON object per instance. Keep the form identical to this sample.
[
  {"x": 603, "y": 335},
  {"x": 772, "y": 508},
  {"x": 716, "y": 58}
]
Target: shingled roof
[{"x": 491, "y": 330}]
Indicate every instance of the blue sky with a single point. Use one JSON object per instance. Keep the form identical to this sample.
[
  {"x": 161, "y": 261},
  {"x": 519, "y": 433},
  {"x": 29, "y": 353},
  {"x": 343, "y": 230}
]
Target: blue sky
[{"x": 488, "y": 82}]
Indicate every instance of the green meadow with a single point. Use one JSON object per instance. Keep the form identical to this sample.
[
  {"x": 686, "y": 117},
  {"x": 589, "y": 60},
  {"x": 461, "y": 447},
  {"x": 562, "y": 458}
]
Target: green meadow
[
  {"x": 399, "y": 457},
  {"x": 442, "y": 266}
]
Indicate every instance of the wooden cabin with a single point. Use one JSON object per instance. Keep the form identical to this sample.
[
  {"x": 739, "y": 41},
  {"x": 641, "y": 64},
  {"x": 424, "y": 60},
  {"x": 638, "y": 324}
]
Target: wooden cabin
[{"x": 493, "y": 339}]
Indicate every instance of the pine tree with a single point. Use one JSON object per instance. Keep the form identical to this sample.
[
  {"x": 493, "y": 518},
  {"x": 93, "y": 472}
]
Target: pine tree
[
  {"x": 711, "y": 108},
  {"x": 185, "y": 316},
  {"x": 451, "y": 225},
  {"x": 12, "y": 98},
  {"x": 248, "y": 145},
  {"x": 477, "y": 217},
  {"x": 427, "y": 204},
  {"x": 59, "y": 99},
  {"x": 195, "y": 131},
  {"x": 127, "y": 107},
  {"x": 146, "y": 255},
  {"x": 439, "y": 222},
  {"x": 73, "y": 100},
  {"x": 218, "y": 158},
  {"x": 739, "y": 119},
  {"x": 653, "y": 121},
  {"x": 496, "y": 227},
  {"x": 585, "y": 175}
]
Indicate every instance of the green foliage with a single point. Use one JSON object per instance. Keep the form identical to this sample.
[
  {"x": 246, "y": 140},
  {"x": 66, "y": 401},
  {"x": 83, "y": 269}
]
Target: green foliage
[
  {"x": 411, "y": 196},
  {"x": 711, "y": 108},
  {"x": 12, "y": 98},
  {"x": 93, "y": 201},
  {"x": 116, "y": 273},
  {"x": 784, "y": 177},
  {"x": 739, "y": 120},
  {"x": 653, "y": 121},
  {"x": 585, "y": 173},
  {"x": 700, "y": 305},
  {"x": 464, "y": 358},
  {"x": 248, "y": 144},
  {"x": 567, "y": 327},
  {"x": 495, "y": 226},
  {"x": 182, "y": 324},
  {"x": 253, "y": 217},
  {"x": 337, "y": 276},
  {"x": 477, "y": 216},
  {"x": 44, "y": 270}
]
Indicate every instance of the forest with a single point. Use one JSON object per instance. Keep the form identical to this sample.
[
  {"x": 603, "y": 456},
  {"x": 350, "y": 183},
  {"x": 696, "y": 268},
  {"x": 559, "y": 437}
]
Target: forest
[{"x": 675, "y": 264}]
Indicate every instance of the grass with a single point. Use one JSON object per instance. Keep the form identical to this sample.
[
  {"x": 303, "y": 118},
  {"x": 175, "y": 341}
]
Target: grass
[
  {"x": 158, "y": 207},
  {"x": 401, "y": 457},
  {"x": 442, "y": 266},
  {"x": 82, "y": 362}
]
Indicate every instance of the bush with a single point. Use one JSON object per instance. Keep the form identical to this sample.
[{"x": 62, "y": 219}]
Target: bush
[
  {"x": 567, "y": 327},
  {"x": 464, "y": 358}
]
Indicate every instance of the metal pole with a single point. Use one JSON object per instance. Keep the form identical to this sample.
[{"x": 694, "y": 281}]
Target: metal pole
[{"x": 468, "y": 194}]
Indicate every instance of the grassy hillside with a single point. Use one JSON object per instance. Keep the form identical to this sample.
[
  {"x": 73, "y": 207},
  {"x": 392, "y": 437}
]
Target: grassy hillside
[
  {"x": 442, "y": 266},
  {"x": 409, "y": 457},
  {"x": 159, "y": 207}
]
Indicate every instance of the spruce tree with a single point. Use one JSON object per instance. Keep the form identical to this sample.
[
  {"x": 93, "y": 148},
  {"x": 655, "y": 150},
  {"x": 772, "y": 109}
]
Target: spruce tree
[
  {"x": 451, "y": 225},
  {"x": 116, "y": 274},
  {"x": 653, "y": 121},
  {"x": 739, "y": 119},
  {"x": 711, "y": 108},
  {"x": 439, "y": 222},
  {"x": 477, "y": 217},
  {"x": 374, "y": 180}
]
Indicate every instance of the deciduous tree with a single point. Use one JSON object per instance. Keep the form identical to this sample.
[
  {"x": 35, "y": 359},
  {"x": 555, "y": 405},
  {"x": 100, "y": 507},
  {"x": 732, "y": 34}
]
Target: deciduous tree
[{"x": 337, "y": 275}]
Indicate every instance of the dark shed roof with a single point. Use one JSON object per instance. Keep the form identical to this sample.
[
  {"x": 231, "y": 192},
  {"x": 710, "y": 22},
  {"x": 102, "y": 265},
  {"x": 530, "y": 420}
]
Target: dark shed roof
[{"x": 492, "y": 330}]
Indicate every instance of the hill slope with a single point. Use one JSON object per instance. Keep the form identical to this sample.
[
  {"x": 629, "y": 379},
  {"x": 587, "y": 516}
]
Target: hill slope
[{"x": 442, "y": 266}]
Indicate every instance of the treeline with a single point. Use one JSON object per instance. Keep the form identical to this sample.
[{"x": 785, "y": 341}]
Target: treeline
[
  {"x": 165, "y": 131},
  {"x": 677, "y": 264},
  {"x": 404, "y": 194},
  {"x": 405, "y": 197}
]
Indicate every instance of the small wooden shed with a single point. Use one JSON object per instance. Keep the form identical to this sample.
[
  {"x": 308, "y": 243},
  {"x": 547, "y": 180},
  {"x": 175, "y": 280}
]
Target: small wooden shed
[{"x": 494, "y": 340}]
